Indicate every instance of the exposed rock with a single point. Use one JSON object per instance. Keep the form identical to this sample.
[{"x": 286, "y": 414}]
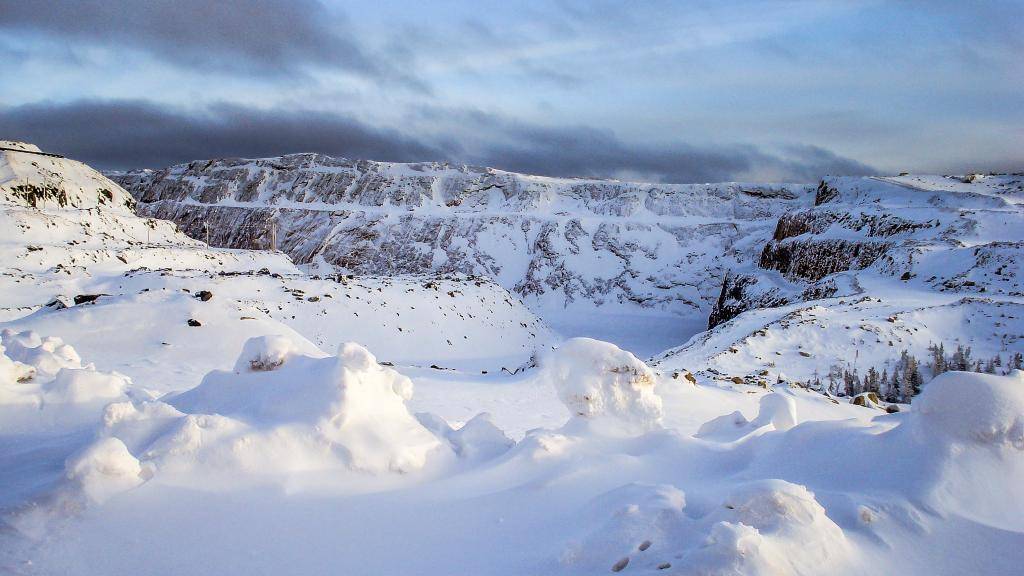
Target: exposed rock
[
  {"x": 867, "y": 400},
  {"x": 87, "y": 298}
]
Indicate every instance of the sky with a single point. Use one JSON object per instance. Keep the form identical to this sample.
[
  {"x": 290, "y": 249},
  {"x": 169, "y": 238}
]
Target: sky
[{"x": 658, "y": 91}]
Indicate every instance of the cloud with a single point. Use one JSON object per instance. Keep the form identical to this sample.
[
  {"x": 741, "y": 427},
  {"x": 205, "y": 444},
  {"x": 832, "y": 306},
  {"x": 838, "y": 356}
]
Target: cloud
[
  {"x": 590, "y": 152},
  {"x": 245, "y": 36},
  {"x": 135, "y": 133}
]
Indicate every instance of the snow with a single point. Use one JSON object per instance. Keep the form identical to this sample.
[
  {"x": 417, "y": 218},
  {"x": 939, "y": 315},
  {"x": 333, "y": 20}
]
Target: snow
[
  {"x": 265, "y": 353},
  {"x": 348, "y": 402},
  {"x": 599, "y": 382},
  {"x": 972, "y": 407},
  {"x": 293, "y": 436},
  {"x": 36, "y": 371},
  {"x": 104, "y": 469}
]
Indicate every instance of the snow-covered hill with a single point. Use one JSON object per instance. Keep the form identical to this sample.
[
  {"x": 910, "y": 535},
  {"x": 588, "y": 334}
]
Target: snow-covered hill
[
  {"x": 876, "y": 267},
  {"x": 91, "y": 243}
]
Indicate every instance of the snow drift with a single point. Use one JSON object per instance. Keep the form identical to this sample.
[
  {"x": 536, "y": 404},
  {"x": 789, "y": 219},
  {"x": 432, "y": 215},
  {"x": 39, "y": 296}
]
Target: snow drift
[
  {"x": 36, "y": 370},
  {"x": 601, "y": 383}
]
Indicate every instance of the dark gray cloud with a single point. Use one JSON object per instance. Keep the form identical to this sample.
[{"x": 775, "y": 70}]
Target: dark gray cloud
[
  {"x": 589, "y": 152},
  {"x": 131, "y": 134},
  {"x": 247, "y": 36}
]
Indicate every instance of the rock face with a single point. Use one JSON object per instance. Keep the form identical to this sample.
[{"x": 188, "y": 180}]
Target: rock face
[
  {"x": 552, "y": 241},
  {"x": 952, "y": 234}
]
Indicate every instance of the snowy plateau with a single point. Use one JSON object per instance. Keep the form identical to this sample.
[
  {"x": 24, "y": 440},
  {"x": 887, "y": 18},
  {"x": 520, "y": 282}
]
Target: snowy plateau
[{"x": 310, "y": 365}]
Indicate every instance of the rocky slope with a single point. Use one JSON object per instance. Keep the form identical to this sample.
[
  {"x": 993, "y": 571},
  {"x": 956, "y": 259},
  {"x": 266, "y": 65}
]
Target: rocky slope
[
  {"x": 555, "y": 242},
  {"x": 876, "y": 267},
  {"x": 943, "y": 233}
]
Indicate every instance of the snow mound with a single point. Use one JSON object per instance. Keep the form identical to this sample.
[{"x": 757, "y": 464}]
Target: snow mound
[
  {"x": 777, "y": 409},
  {"x": 725, "y": 427},
  {"x": 264, "y": 353},
  {"x": 635, "y": 525},
  {"x": 47, "y": 356},
  {"x": 34, "y": 370},
  {"x": 348, "y": 401},
  {"x": 103, "y": 469},
  {"x": 771, "y": 527},
  {"x": 599, "y": 381},
  {"x": 974, "y": 407},
  {"x": 77, "y": 385},
  {"x": 478, "y": 439}
]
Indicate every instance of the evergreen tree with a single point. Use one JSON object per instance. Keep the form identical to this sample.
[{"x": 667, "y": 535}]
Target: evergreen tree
[
  {"x": 990, "y": 367},
  {"x": 834, "y": 377},
  {"x": 871, "y": 381},
  {"x": 938, "y": 362},
  {"x": 916, "y": 381},
  {"x": 894, "y": 387}
]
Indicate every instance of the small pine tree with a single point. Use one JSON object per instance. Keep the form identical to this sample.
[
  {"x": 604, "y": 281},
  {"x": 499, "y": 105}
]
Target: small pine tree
[
  {"x": 871, "y": 381},
  {"x": 990, "y": 367},
  {"x": 938, "y": 361},
  {"x": 893, "y": 395},
  {"x": 835, "y": 375},
  {"x": 849, "y": 385},
  {"x": 911, "y": 380},
  {"x": 916, "y": 381}
]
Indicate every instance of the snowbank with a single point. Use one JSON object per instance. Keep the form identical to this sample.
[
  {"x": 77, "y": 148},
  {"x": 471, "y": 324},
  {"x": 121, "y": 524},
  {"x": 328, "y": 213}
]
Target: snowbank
[
  {"x": 973, "y": 407},
  {"x": 347, "y": 401},
  {"x": 776, "y": 410},
  {"x": 770, "y": 527},
  {"x": 104, "y": 469},
  {"x": 478, "y": 439},
  {"x": 34, "y": 370},
  {"x": 637, "y": 525},
  {"x": 598, "y": 381},
  {"x": 265, "y": 353}
]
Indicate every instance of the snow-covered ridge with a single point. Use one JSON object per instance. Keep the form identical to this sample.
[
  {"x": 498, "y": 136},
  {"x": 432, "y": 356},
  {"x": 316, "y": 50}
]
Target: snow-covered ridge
[
  {"x": 552, "y": 241},
  {"x": 29, "y": 177},
  {"x": 879, "y": 266}
]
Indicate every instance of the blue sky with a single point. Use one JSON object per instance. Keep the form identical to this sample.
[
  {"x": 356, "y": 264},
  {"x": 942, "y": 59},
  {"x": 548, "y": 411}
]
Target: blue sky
[{"x": 669, "y": 91}]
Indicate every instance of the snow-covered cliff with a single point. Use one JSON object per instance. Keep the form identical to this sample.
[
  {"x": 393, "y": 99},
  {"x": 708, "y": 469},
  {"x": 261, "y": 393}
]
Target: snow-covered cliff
[{"x": 552, "y": 241}]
